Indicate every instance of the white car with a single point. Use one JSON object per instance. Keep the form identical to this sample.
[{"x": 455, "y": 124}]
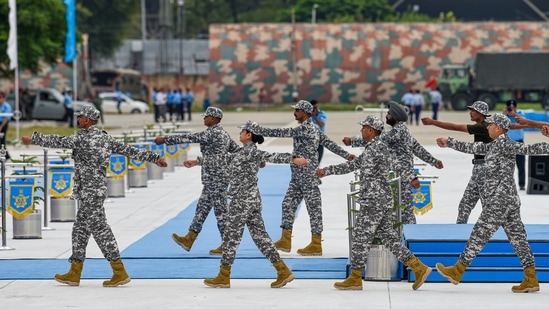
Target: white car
[{"x": 128, "y": 105}]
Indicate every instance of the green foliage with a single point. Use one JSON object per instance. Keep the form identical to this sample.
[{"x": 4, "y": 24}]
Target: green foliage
[
  {"x": 107, "y": 22},
  {"x": 41, "y": 28}
]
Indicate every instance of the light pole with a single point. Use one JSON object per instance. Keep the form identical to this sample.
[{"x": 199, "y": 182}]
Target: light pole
[
  {"x": 313, "y": 13},
  {"x": 181, "y": 5}
]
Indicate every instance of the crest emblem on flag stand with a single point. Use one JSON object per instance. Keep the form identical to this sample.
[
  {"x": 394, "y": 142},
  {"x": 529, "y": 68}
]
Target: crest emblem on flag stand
[
  {"x": 61, "y": 182},
  {"x": 171, "y": 151},
  {"x": 118, "y": 167},
  {"x": 21, "y": 197},
  {"x": 159, "y": 149},
  {"x": 422, "y": 197}
]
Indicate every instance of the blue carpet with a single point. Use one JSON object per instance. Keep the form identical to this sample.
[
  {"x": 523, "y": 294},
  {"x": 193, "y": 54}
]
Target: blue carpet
[{"x": 157, "y": 256}]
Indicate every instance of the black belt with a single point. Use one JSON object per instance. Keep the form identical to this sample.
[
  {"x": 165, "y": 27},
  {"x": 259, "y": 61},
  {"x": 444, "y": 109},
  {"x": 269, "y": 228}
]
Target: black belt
[{"x": 478, "y": 161}]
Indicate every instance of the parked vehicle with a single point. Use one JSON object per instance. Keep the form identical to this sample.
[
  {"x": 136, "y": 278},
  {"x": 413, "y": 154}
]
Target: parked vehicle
[
  {"x": 128, "y": 105},
  {"x": 497, "y": 77},
  {"x": 43, "y": 104},
  {"x": 125, "y": 80}
]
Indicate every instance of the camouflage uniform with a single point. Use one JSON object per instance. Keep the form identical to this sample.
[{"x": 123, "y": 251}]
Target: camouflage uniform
[
  {"x": 304, "y": 182},
  {"x": 376, "y": 202},
  {"x": 402, "y": 148},
  {"x": 501, "y": 203},
  {"x": 245, "y": 206},
  {"x": 92, "y": 149},
  {"x": 476, "y": 183},
  {"x": 214, "y": 140}
]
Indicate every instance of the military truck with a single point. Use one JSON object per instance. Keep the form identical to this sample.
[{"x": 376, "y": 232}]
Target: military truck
[
  {"x": 497, "y": 77},
  {"x": 43, "y": 104}
]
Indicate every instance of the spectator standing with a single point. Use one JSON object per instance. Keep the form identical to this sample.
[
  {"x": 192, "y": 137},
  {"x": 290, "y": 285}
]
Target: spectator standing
[
  {"x": 69, "y": 109},
  {"x": 318, "y": 117},
  {"x": 418, "y": 103},
  {"x": 516, "y": 133},
  {"x": 119, "y": 100},
  {"x": 160, "y": 105},
  {"x": 436, "y": 98},
  {"x": 178, "y": 110},
  {"x": 5, "y": 108},
  {"x": 261, "y": 96},
  {"x": 408, "y": 100},
  {"x": 190, "y": 99}
]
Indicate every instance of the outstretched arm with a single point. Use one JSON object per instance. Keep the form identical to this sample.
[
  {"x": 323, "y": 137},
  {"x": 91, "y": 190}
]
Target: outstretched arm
[{"x": 444, "y": 125}]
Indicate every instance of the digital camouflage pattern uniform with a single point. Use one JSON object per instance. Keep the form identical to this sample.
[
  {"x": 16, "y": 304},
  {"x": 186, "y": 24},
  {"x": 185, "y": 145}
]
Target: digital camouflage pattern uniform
[
  {"x": 213, "y": 140},
  {"x": 92, "y": 149},
  {"x": 304, "y": 182},
  {"x": 245, "y": 206},
  {"x": 501, "y": 203},
  {"x": 402, "y": 148},
  {"x": 476, "y": 183},
  {"x": 376, "y": 202}
]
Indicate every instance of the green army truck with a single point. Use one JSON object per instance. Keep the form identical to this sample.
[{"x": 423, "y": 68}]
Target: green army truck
[{"x": 497, "y": 77}]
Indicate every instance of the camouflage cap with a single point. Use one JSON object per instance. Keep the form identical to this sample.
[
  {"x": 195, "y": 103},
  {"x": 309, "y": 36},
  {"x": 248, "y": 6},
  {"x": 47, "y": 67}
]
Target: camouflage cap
[
  {"x": 250, "y": 126},
  {"x": 304, "y": 105},
  {"x": 500, "y": 120},
  {"x": 481, "y": 107},
  {"x": 398, "y": 111},
  {"x": 372, "y": 122},
  {"x": 214, "y": 112},
  {"x": 89, "y": 112}
]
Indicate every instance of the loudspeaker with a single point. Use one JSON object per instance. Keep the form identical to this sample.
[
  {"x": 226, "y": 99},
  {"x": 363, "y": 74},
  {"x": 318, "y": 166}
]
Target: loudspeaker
[{"x": 538, "y": 175}]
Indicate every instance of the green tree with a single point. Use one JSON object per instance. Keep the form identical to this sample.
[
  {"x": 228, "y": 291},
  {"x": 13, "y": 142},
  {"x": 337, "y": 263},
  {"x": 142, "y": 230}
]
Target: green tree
[
  {"x": 107, "y": 23},
  {"x": 41, "y": 28}
]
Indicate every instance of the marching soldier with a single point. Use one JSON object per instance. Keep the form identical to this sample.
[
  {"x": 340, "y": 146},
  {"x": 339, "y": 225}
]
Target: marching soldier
[
  {"x": 478, "y": 113},
  {"x": 402, "y": 148},
  {"x": 304, "y": 183},
  {"x": 245, "y": 207},
  {"x": 214, "y": 140},
  {"x": 501, "y": 202},
  {"x": 92, "y": 149},
  {"x": 376, "y": 207}
]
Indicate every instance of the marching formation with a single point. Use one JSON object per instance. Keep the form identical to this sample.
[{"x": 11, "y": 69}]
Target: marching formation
[{"x": 229, "y": 173}]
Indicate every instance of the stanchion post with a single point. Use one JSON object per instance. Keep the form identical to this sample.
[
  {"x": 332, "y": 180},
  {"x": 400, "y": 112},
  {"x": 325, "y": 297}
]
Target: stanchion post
[
  {"x": 46, "y": 195},
  {"x": 3, "y": 153}
]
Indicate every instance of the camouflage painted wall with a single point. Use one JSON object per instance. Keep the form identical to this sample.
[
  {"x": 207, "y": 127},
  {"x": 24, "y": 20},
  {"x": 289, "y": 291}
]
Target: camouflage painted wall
[{"x": 350, "y": 62}]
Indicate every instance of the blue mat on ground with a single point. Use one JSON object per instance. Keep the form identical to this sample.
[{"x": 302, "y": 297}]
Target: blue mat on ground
[{"x": 157, "y": 256}]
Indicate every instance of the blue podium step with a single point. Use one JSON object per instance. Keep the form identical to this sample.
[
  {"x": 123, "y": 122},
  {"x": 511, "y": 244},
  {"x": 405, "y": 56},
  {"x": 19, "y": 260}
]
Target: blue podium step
[{"x": 497, "y": 261}]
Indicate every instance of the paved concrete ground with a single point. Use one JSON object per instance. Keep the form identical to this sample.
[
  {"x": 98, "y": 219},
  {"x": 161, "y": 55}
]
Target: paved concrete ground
[{"x": 163, "y": 199}]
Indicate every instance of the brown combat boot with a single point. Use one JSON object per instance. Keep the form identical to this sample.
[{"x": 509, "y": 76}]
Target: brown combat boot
[
  {"x": 421, "y": 271},
  {"x": 314, "y": 248},
  {"x": 72, "y": 277},
  {"x": 283, "y": 274},
  {"x": 353, "y": 282},
  {"x": 452, "y": 273},
  {"x": 223, "y": 279},
  {"x": 186, "y": 242},
  {"x": 119, "y": 276},
  {"x": 216, "y": 251},
  {"x": 285, "y": 242},
  {"x": 529, "y": 283}
]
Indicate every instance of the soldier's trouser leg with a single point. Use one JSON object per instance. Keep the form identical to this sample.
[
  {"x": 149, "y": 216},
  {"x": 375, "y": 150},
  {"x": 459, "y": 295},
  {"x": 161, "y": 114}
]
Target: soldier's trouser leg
[
  {"x": 259, "y": 234},
  {"x": 313, "y": 202},
  {"x": 408, "y": 215},
  {"x": 471, "y": 194},
  {"x": 92, "y": 220},
  {"x": 514, "y": 229},
  {"x": 293, "y": 197},
  {"x": 236, "y": 220},
  {"x": 491, "y": 218},
  {"x": 212, "y": 196}
]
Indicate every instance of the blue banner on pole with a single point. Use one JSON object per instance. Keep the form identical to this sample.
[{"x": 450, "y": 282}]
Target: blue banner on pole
[
  {"x": 21, "y": 197},
  {"x": 70, "y": 43},
  {"x": 117, "y": 166},
  {"x": 422, "y": 198}
]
